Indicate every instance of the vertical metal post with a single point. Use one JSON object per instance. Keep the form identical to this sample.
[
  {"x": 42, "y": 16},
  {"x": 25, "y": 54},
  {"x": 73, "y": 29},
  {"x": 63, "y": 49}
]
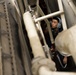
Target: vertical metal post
[
  {"x": 62, "y": 15},
  {"x": 21, "y": 7},
  {"x": 72, "y": 6}
]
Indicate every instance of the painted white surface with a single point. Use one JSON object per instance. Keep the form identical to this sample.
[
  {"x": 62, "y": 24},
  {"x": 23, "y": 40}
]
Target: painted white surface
[{"x": 66, "y": 42}]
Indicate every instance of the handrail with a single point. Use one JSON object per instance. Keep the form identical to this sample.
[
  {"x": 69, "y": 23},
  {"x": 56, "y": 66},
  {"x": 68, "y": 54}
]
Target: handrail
[{"x": 49, "y": 16}]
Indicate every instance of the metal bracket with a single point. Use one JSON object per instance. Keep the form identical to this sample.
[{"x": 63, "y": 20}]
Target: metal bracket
[{"x": 6, "y": 56}]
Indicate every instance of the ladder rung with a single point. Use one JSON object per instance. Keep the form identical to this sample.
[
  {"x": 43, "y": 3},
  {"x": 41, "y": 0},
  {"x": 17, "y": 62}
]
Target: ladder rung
[{"x": 49, "y": 16}]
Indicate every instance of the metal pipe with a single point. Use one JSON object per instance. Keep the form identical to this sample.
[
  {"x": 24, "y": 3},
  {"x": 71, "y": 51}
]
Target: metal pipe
[
  {"x": 21, "y": 7},
  {"x": 45, "y": 45},
  {"x": 48, "y": 25},
  {"x": 49, "y": 16},
  {"x": 72, "y": 6},
  {"x": 26, "y": 5},
  {"x": 33, "y": 36},
  {"x": 45, "y": 71}
]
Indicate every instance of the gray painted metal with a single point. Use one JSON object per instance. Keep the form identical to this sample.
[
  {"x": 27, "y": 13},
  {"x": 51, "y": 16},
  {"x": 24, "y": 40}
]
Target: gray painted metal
[
  {"x": 69, "y": 14},
  {"x": 11, "y": 62},
  {"x": 52, "y": 5},
  {"x": 32, "y": 2},
  {"x": 10, "y": 55},
  {"x": 1, "y": 68},
  {"x": 7, "y": 43}
]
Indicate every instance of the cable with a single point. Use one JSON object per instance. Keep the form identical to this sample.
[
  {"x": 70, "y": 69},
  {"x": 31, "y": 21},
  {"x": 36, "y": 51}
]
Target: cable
[{"x": 61, "y": 62}]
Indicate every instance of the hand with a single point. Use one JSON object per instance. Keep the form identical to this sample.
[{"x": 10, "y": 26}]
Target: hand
[
  {"x": 52, "y": 49},
  {"x": 65, "y": 60}
]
